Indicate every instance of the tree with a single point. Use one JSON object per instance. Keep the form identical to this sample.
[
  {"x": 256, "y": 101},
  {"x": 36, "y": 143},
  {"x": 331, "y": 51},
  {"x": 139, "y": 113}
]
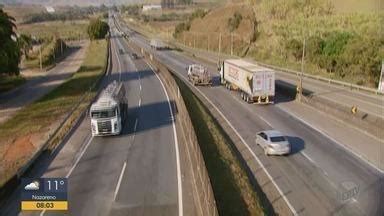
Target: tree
[
  {"x": 25, "y": 44},
  {"x": 97, "y": 29},
  {"x": 9, "y": 50}
]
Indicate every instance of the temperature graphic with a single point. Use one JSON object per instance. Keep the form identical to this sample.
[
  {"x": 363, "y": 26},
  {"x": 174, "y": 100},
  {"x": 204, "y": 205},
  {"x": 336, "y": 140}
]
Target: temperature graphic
[{"x": 44, "y": 194}]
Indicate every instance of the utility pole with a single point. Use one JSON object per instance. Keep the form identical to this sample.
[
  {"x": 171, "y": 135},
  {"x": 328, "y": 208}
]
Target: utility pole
[
  {"x": 208, "y": 43},
  {"x": 219, "y": 44},
  {"x": 61, "y": 46},
  {"x": 184, "y": 39},
  {"x": 300, "y": 87},
  {"x": 41, "y": 62},
  {"x": 194, "y": 40},
  {"x": 231, "y": 44}
]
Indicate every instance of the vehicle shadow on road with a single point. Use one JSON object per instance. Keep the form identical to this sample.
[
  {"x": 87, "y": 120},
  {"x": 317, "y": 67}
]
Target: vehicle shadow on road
[
  {"x": 130, "y": 75},
  {"x": 286, "y": 92},
  {"x": 297, "y": 144},
  {"x": 149, "y": 116}
]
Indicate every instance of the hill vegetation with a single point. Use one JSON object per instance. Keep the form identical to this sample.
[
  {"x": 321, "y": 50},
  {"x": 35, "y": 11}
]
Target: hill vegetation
[{"x": 339, "y": 43}]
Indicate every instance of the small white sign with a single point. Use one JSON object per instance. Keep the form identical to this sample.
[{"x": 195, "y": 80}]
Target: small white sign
[{"x": 381, "y": 80}]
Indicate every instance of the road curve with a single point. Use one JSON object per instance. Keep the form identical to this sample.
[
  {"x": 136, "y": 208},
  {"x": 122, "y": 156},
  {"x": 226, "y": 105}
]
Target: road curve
[
  {"x": 131, "y": 174},
  {"x": 313, "y": 178}
]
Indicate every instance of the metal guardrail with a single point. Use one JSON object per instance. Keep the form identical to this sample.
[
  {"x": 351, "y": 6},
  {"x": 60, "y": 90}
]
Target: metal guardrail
[
  {"x": 286, "y": 70},
  {"x": 293, "y": 72}
]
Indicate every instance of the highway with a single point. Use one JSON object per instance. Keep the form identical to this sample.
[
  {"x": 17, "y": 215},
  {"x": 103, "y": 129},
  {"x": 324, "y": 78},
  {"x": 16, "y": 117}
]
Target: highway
[
  {"x": 315, "y": 176},
  {"x": 135, "y": 173},
  {"x": 369, "y": 103}
]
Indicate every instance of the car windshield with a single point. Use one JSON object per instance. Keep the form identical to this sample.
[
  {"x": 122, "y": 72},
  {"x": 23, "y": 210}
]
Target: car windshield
[
  {"x": 103, "y": 113},
  {"x": 278, "y": 139}
]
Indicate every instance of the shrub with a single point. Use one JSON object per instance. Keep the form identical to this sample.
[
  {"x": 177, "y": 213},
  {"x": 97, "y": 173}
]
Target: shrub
[
  {"x": 234, "y": 22},
  {"x": 198, "y": 13},
  {"x": 181, "y": 27},
  {"x": 97, "y": 29}
]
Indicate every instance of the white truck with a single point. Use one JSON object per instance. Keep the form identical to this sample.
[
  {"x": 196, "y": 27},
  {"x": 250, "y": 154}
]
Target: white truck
[
  {"x": 157, "y": 44},
  {"x": 256, "y": 84},
  {"x": 199, "y": 75},
  {"x": 109, "y": 111}
]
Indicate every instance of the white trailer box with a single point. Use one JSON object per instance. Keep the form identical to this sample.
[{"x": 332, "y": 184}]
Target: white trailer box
[{"x": 255, "y": 83}]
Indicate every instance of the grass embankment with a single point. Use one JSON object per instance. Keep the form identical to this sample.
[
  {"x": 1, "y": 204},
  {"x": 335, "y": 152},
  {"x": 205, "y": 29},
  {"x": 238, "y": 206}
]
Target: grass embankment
[
  {"x": 68, "y": 30},
  {"x": 232, "y": 188},
  {"x": 10, "y": 82},
  {"x": 343, "y": 41},
  {"x": 34, "y": 121}
]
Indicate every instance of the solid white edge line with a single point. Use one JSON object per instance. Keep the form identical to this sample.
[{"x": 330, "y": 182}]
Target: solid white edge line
[
  {"x": 80, "y": 156},
  {"x": 179, "y": 185},
  {"x": 134, "y": 129},
  {"x": 251, "y": 151},
  {"x": 119, "y": 181},
  {"x": 75, "y": 164},
  {"x": 348, "y": 149}
]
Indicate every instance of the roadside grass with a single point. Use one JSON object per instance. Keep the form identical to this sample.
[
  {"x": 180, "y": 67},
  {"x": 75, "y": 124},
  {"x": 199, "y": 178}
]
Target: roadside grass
[
  {"x": 38, "y": 117},
  {"x": 50, "y": 53},
  {"x": 67, "y": 30},
  {"x": 10, "y": 82},
  {"x": 232, "y": 188}
]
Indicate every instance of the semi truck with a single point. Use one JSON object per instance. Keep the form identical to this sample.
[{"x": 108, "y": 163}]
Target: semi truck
[
  {"x": 199, "y": 75},
  {"x": 255, "y": 83},
  {"x": 157, "y": 44},
  {"x": 109, "y": 112}
]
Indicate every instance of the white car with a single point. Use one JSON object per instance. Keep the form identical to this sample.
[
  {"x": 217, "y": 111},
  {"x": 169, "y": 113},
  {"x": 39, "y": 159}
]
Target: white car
[{"x": 273, "y": 142}]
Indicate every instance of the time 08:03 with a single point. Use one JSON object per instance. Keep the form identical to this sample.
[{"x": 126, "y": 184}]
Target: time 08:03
[{"x": 44, "y": 205}]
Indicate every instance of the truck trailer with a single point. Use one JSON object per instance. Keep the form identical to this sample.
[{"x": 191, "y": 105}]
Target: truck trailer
[
  {"x": 109, "y": 112},
  {"x": 256, "y": 84},
  {"x": 199, "y": 75}
]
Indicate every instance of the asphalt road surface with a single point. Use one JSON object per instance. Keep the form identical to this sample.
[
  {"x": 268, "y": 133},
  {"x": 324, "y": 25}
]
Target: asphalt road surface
[
  {"x": 367, "y": 102},
  {"x": 134, "y": 173},
  {"x": 319, "y": 177}
]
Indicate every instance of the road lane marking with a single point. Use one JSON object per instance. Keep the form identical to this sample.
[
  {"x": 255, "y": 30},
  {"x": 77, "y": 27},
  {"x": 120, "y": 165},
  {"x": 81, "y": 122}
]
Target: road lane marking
[
  {"x": 179, "y": 185},
  {"x": 80, "y": 156},
  {"x": 345, "y": 147},
  {"x": 248, "y": 147},
  {"x": 119, "y": 181},
  {"x": 118, "y": 59},
  {"x": 140, "y": 85},
  {"x": 134, "y": 130},
  {"x": 290, "y": 206},
  {"x": 140, "y": 102},
  {"x": 76, "y": 162}
]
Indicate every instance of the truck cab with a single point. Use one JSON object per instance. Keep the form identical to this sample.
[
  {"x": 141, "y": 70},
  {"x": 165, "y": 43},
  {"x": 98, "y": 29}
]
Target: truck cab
[{"x": 108, "y": 113}]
